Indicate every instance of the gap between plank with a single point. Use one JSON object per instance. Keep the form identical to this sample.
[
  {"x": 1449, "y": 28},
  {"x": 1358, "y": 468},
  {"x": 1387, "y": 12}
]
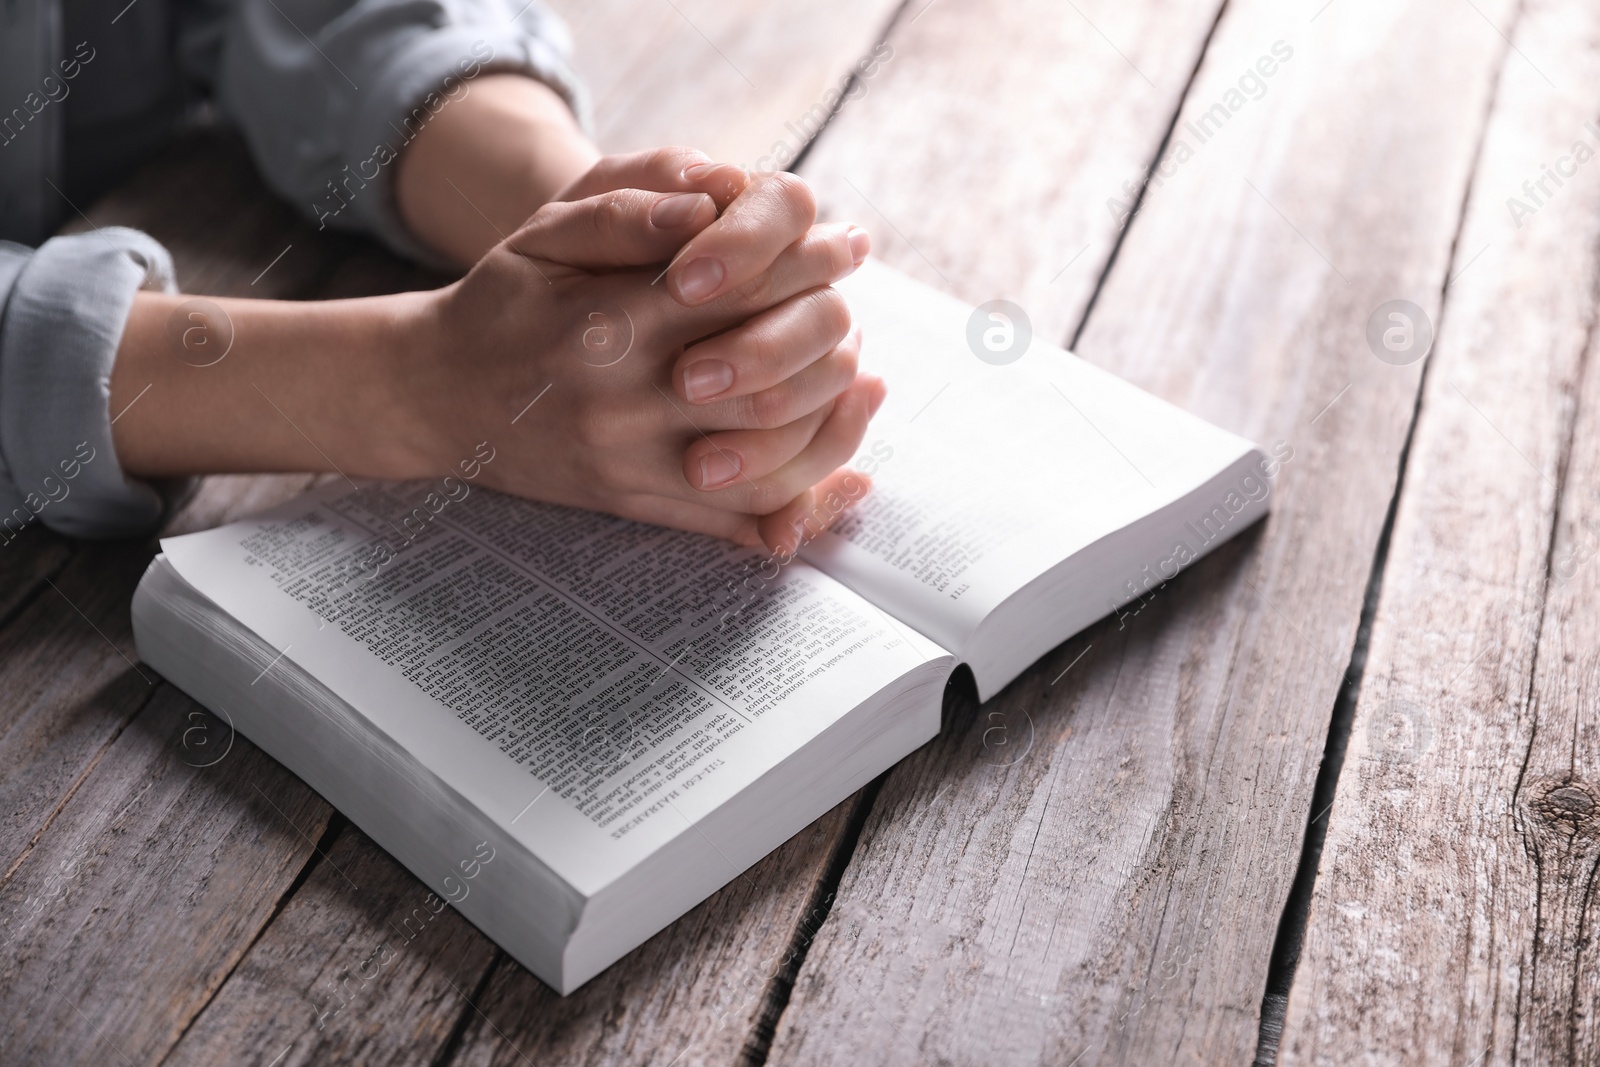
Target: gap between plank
[
  {"x": 1297, "y": 907},
  {"x": 775, "y": 1001},
  {"x": 1144, "y": 185},
  {"x": 27, "y": 599},
  {"x": 759, "y": 1044},
  {"x": 1292, "y": 923},
  {"x": 452, "y": 1044},
  {"x": 325, "y": 841},
  {"x": 77, "y": 784},
  {"x": 850, "y": 83}
]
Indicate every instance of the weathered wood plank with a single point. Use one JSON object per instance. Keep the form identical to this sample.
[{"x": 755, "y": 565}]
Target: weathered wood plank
[
  {"x": 124, "y": 919},
  {"x": 1113, "y": 896},
  {"x": 309, "y": 989},
  {"x": 71, "y": 688},
  {"x": 25, "y": 561},
  {"x": 691, "y": 995},
  {"x": 70, "y": 684},
  {"x": 722, "y": 77},
  {"x": 985, "y": 150},
  {"x": 1556, "y": 806},
  {"x": 68, "y": 667},
  {"x": 1453, "y": 913}
]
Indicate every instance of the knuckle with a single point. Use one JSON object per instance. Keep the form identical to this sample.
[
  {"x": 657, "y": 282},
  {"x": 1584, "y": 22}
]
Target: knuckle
[
  {"x": 594, "y": 424},
  {"x": 833, "y": 312},
  {"x": 757, "y": 294},
  {"x": 609, "y": 215},
  {"x": 796, "y": 192},
  {"x": 769, "y": 409},
  {"x": 672, "y": 160},
  {"x": 765, "y": 352},
  {"x": 536, "y": 229}
]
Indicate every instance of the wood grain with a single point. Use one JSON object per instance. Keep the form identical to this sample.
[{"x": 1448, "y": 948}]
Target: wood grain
[
  {"x": 69, "y": 689},
  {"x": 694, "y": 994},
  {"x": 155, "y": 878},
  {"x": 1113, "y": 897},
  {"x": 25, "y": 561},
  {"x": 312, "y": 989},
  {"x": 1001, "y": 191},
  {"x": 70, "y": 685},
  {"x": 728, "y": 78},
  {"x": 1453, "y": 914}
]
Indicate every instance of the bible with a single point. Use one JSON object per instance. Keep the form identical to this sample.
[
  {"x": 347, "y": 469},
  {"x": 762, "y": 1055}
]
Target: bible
[{"x": 574, "y": 728}]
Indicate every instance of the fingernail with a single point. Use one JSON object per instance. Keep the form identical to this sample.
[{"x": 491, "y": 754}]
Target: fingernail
[
  {"x": 860, "y": 244},
  {"x": 674, "y": 211},
  {"x": 799, "y": 534},
  {"x": 699, "y": 170},
  {"x": 718, "y": 468},
  {"x": 705, "y": 378},
  {"x": 698, "y": 280}
]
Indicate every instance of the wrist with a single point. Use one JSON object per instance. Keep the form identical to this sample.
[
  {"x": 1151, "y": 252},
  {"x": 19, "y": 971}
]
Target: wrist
[
  {"x": 489, "y": 160},
  {"x": 411, "y": 387},
  {"x": 212, "y": 385}
]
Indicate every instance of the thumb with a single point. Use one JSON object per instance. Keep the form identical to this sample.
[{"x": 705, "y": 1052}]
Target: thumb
[
  {"x": 662, "y": 170},
  {"x": 621, "y": 228}
]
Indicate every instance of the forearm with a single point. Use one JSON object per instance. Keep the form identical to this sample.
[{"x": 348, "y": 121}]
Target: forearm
[
  {"x": 268, "y": 386},
  {"x": 486, "y": 162}
]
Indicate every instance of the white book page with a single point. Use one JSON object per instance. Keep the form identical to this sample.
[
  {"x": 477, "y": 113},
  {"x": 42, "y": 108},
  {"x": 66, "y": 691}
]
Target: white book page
[
  {"x": 592, "y": 684},
  {"x": 986, "y": 476}
]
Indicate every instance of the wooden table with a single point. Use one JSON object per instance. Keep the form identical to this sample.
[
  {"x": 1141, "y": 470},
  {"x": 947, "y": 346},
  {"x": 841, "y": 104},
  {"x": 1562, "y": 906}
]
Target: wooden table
[{"x": 1168, "y": 873}]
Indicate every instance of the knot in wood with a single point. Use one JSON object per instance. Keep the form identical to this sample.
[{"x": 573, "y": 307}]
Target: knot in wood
[{"x": 1570, "y": 803}]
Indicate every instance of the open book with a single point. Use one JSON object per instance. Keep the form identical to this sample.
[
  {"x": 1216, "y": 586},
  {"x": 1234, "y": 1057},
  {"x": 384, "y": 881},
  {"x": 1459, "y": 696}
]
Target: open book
[{"x": 574, "y": 728}]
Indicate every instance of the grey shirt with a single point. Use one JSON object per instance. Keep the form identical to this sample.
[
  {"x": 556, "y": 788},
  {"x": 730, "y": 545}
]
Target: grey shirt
[{"x": 325, "y": 93}]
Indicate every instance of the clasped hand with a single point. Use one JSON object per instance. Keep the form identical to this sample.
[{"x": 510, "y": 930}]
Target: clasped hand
[
  {"x": 720, "y": 394},
  {"x": 660, "y": 342}
]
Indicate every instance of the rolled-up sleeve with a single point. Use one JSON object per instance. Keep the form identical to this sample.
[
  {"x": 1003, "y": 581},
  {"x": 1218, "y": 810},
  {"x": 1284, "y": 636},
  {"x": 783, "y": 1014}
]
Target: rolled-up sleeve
[
  {"x": 62, "y": 313},
  {"x": 328, "y": 92}
]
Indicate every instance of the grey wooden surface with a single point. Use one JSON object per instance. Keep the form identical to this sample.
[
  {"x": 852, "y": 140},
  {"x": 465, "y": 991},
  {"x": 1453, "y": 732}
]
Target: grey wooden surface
[
  {"x": 1123, "y": 872},
  {"x": 1455, "y": 909}
]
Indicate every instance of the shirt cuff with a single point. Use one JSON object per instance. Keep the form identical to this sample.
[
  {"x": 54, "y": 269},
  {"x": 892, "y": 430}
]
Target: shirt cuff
[{"x": 59, "y": 331}]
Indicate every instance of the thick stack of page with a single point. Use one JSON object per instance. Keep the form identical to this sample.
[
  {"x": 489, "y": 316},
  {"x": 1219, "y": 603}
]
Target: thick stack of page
[{"x": 623, "y": 718}]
